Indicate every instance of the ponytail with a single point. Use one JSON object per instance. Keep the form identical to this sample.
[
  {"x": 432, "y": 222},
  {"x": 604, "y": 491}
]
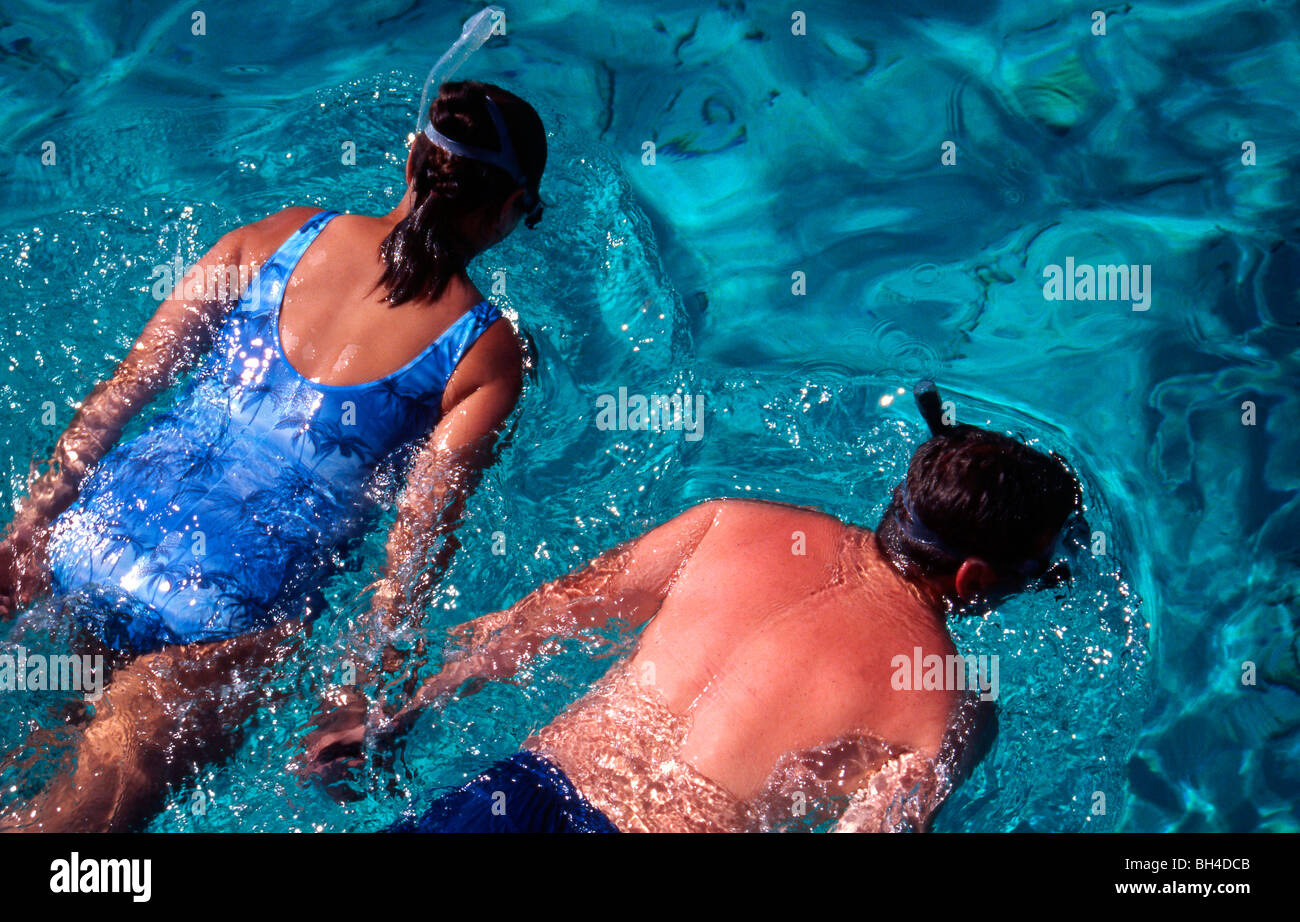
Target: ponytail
[{"x": 427, "y": 249}]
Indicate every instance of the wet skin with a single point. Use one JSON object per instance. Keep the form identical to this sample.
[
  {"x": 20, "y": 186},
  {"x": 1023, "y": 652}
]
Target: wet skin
[
  {"x": 169, "y": 709},
  {"x": 770, "y": 639}
]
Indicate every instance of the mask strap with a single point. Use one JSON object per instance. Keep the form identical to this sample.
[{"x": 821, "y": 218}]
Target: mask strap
[
  {"x": 918, "y": 531},
  {"x": 503, "y": 158}
]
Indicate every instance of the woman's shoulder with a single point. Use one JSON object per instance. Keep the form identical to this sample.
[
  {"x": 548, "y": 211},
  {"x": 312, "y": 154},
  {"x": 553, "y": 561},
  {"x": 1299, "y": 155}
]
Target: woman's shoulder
[
  {"x": 281, "y": 224},
  {"x": 262, "y": 238},
  {"x": 495, "y": 359}
]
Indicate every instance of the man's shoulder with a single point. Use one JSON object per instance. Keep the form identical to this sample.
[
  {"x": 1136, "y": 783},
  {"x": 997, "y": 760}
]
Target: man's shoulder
[
  {"x": 762, "y": 529},
  {"x": 738, "y": 507}
]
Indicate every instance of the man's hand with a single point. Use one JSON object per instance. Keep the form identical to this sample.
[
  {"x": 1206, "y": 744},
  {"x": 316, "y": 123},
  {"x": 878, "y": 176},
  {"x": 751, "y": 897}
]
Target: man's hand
[{"x": 346, "y": 725}]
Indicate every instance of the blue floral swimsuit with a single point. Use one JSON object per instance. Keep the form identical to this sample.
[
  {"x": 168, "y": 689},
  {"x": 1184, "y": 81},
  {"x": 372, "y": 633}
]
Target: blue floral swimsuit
[{"x": 224, "y": 516}]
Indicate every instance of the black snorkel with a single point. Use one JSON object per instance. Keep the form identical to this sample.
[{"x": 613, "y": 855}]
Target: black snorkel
[{"x": 930, "y": 404}]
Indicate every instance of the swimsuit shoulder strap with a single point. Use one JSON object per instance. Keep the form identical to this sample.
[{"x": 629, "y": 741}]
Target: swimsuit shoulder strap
[
  {"x": 447, "y": 351},
  {"x": 268, "y": 283},
  {"x": 289, "y": 252},
  {"x": 469, "y": 326}
]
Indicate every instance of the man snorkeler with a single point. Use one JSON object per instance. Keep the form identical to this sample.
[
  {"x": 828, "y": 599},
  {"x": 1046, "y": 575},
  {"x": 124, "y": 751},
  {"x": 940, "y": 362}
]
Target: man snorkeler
[{"x": 761, "y": 690}]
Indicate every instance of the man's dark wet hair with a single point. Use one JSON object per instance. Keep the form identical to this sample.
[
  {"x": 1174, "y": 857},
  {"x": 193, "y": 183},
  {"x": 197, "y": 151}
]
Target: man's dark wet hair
[{"x": 983, "y": 495}]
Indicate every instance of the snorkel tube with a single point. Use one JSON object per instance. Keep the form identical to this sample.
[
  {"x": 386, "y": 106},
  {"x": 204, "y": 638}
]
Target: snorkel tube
[
  {"x": 475, "y": 32},
  {"x": 931, "y": 407}
]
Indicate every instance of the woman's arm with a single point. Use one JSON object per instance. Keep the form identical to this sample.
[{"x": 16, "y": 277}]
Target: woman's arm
[
  {"x": 479, "y": 399},
  {"x": 179, "y": 331}
]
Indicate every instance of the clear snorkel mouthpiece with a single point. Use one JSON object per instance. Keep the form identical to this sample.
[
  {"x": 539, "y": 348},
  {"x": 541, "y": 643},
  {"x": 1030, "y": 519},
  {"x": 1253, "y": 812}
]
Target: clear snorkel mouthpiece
[{"x": 476, "y": 31}]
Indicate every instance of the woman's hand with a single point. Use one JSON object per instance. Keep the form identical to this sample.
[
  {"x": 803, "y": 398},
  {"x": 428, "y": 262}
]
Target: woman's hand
[
  {"x": 24, "y": 567},
  {"x": 334, "y": 749},
  {"x": 345, "y": 726}
]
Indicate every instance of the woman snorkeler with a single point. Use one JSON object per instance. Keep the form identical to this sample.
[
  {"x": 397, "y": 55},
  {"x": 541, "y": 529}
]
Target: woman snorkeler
[{"x": 360, "y": 349}]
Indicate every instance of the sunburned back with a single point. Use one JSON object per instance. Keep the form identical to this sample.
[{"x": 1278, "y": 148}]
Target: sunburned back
[{"x": 775, "y": 645}]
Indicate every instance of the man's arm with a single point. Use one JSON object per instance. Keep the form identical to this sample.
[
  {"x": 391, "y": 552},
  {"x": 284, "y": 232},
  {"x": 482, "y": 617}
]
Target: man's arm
[
  {"x": 628, "y": 583},
  {"x": 904, "y": 793},
  {"x": 908, "y": 790}
]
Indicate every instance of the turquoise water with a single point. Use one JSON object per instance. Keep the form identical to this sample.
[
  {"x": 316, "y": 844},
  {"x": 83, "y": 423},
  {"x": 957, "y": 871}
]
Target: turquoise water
[{"x": 776, "y": 153}]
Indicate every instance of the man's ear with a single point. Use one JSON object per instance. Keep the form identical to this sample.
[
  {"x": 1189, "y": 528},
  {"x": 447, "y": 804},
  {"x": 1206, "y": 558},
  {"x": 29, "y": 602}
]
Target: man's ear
[
  {"x": 508, "y": 207},
  {"x": 973, "y": 577}
]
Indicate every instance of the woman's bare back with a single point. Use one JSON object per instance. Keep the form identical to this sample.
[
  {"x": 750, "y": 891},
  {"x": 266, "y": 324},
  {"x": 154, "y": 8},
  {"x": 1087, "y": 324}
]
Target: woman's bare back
[{"x": 335, "y": 327}]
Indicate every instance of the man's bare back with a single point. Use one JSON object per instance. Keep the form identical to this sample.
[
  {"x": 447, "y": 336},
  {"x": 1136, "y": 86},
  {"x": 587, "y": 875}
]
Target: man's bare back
[
  {"x": 777, "y": 680},
  {"x": 759, "y": 693}
]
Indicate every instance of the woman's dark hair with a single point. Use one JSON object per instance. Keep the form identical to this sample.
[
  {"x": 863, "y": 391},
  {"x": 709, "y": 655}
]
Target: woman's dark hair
[
  {"x": 425, "y": 250},
  {"x": 981, "y": 491}
]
